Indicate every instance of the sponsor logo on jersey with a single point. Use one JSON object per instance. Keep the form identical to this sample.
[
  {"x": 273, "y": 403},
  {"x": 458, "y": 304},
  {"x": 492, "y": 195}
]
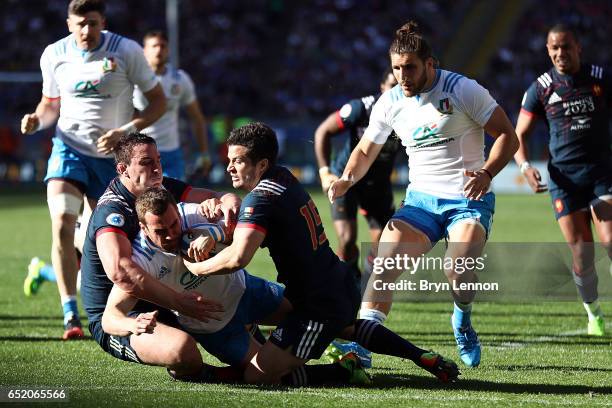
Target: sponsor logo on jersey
[
  {"x": 175, "y": 89},
  {"x": 108, "y": 65},
  {"x": 278, "y": 334},
  {"x": 445, "y": 107},
  {"x": 558, "y": 205},
  {"x": 115, "y": 219},
  {"x": 554, "y": 98},
  {"x": 84, "y": 89},
  {"x": 428, "y": 136},
  {"x": 191, "y": 281}
]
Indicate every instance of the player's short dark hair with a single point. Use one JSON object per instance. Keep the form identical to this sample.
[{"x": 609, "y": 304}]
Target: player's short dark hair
[
  {"x": 258, "y": 138},
  {"x": 155, "y": 34},
  {"x": 408, "y": 39},
  {"x": 125, "y": 146},
  {"x": 154, "y": 200},
  {"x": 563, "y": 28},
  {"x": 82, "y": 7}
]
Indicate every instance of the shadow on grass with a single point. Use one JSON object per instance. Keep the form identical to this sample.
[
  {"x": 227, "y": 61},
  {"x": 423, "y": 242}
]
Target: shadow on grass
[
  {"x": 429, "y": 383},
  {"x": 389, "y": 381}
]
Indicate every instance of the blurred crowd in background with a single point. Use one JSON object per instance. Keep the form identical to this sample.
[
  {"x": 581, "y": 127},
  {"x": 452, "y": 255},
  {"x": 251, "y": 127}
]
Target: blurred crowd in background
[{"x": 290, "y": 62}]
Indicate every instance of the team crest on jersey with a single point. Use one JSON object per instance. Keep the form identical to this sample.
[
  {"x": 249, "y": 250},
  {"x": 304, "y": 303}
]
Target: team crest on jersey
[
  {"x": 115, "y": 220},
  {"x": 109, "y": 65},
  {"x": 175, "y": 89},
  {"x": 445, "y": 106},
  {"x": 597, "y": 90}
]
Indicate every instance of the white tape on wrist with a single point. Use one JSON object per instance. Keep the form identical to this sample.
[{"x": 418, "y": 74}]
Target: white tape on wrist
[
  {"x": 324, "y": 171},
  {"x": 350, "y": 178},
  {"x": 524, "y": 166},
  {"x": 129, "y": 128}
]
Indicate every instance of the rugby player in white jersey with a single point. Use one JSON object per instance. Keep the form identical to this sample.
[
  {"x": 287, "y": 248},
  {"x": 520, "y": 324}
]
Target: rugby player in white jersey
[
  {"x": 88, "y": 80},
  {"x": 440, "y": 117},
  {"x": 246, "y": 299},
  {"x": 179, "y": 90}
]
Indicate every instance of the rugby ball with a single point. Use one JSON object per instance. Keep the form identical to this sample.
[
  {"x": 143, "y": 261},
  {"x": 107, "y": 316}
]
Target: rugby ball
[{"x": 216, "y": 231}]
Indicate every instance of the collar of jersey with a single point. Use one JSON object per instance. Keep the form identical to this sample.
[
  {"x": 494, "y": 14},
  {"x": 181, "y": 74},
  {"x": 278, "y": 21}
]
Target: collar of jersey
[
  {"x": 85, "y": 52},
  {"x": 435, "y": 82}
]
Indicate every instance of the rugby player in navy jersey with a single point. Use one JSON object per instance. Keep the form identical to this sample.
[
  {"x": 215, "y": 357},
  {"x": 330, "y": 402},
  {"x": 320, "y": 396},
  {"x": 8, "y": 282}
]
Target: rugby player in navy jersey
[
  {"x": 107, "y": 259},
  {"x": 279, "y": 214},
  {"x": 373, "y": 194},
  {"x": 574, "y": 99}
]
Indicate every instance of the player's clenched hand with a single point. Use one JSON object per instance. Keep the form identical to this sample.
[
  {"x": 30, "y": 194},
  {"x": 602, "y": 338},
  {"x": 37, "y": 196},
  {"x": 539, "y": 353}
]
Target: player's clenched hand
[
  {"x": 477, "y": 185},
  {"x": 535, "y": 180},
  {"x": 145, "y": 323},
  {"x": 194, "y": 305},
  {"x": 338, "y": 188},
  {"x": 327, "y": 180},
  {"x": 29, "y": 123},
  {"x": 106, "y": 143},
  {"x": 200, "y": 247},
  {"x": 211, "y": 208}
]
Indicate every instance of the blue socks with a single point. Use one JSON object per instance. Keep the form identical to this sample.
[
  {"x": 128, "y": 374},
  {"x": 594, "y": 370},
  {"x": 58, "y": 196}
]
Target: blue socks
[
  {"x": 69, "y": 305},
  {"x": 47, "y": 273}
]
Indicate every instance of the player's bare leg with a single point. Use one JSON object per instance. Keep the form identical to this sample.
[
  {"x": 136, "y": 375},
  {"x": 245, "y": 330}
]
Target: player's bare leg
[
  {"x": 397, "y": 238},
  {"x": 576, "y": 229},
  {"x": 466, "y": 240},
  {"x": 273, "y": 365},
  {"x": 63, "y": 255},
  {"x": 346, "y": 231},
  {"x": 171, "y": 348}
]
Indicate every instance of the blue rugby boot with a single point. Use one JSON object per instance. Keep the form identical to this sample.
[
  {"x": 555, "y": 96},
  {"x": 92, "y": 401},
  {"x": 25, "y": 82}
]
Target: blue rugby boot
[{"x": 467, "y": 343}]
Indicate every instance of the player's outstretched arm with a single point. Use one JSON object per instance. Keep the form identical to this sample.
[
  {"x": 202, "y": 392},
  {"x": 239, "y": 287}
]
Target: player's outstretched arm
[
  {"x": 45, "y": 115},
  {"x": 524, "y": 126},
  {"x": 116, "y": 256},
  {"x": 328, "y": 128},
  {"x": 115, "y": 319},
  {"x": 358, "y": 165},
  {"x": 234, "y": 257},
  {"x": 226, "y": 204}
]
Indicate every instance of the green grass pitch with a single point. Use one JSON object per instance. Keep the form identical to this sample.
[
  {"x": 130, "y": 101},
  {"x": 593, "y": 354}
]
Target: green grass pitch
[{"x": 535, "y": 354}]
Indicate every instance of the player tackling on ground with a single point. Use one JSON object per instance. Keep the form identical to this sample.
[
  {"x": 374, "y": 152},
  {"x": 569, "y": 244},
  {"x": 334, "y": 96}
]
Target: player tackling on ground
[
  {"x": 439, "y": 116},
  {"x": 278, "y": 213},
  {"x": 574, "y": 99}
]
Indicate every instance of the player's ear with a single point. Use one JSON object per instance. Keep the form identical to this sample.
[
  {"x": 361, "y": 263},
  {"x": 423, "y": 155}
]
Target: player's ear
[
  {"x": 122, "y": 169},
  {"x": 142, "y": 226}
]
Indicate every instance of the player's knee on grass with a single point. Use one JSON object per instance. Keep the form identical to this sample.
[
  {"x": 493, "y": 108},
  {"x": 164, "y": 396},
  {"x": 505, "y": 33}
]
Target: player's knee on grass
[{"x": 270, "y": 364}]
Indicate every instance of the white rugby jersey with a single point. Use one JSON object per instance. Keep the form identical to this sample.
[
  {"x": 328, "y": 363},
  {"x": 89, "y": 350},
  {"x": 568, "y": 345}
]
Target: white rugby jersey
[
  {"x": 442, "y": 130},
  {"x": 95, "y": 86},
  {"x": 179, "y": 90},
  {"x": 169, "y": 269}
]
